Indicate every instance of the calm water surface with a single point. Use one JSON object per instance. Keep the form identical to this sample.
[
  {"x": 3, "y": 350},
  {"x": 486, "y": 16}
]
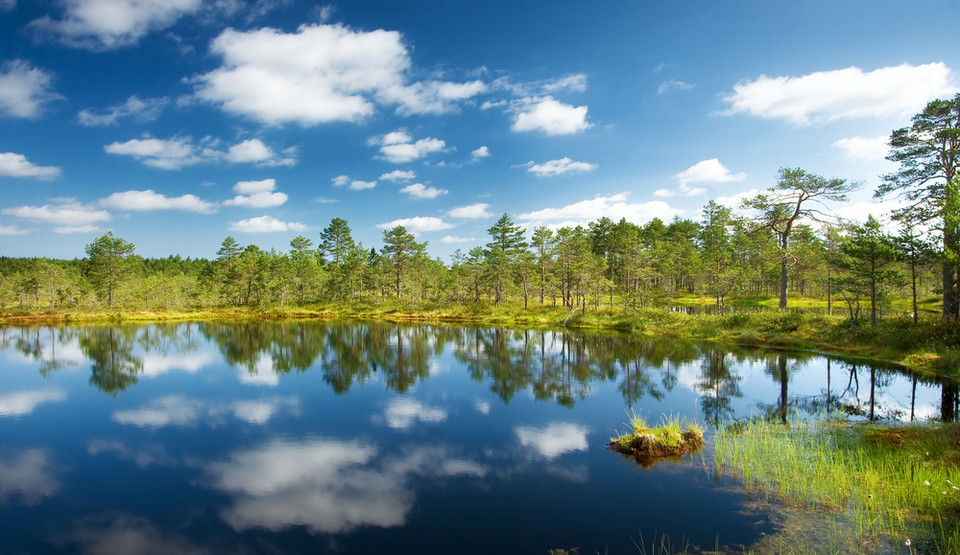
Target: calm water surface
[{"x": 370, "y": 438}]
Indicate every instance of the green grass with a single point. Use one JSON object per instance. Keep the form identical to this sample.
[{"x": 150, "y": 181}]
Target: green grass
[
  {"x": 671, "y": 438},
  {"x": 930, "y": 347},
  {"x": 880, "y": 487}
]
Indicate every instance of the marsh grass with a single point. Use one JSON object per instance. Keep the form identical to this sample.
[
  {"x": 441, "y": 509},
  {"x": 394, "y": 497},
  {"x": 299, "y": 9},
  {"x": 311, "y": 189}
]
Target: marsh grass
[
  {"x": 671, "y": 438},
  {"x": 886, "y": 485}
]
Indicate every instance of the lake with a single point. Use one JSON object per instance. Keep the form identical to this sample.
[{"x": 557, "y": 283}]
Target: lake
[{"x": 313, "y": 437}]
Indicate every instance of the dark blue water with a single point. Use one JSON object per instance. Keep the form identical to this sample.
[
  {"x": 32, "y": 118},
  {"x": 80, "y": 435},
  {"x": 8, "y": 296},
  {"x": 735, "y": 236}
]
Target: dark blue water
[{"x": 370, "y": 438}]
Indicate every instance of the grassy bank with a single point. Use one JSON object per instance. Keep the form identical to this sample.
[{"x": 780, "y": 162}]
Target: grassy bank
[
  {"x": 929, "y": 347},
  {"x": 867, "y": 488}
]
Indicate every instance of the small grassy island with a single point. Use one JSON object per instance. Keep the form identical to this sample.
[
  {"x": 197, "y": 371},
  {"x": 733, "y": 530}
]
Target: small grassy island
[{"x": 670, "y": 439}]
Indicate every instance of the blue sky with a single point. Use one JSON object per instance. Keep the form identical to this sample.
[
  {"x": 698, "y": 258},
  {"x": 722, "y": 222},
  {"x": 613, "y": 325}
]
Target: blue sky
[{"x": 175, "y": 123}]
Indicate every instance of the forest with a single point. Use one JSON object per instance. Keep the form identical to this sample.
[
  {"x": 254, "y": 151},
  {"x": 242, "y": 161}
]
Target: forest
[{"x": 784, "y": 242}]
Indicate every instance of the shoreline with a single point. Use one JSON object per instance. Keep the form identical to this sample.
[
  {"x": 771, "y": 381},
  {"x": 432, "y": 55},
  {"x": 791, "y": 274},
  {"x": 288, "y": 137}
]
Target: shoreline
[{"x": 819, "y": 333}]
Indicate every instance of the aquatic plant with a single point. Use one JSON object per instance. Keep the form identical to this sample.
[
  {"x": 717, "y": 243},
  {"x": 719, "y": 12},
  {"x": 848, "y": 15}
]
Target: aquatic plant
[
  {"x": 669, "y": 439},
  {"x": 884, "y": 485}
]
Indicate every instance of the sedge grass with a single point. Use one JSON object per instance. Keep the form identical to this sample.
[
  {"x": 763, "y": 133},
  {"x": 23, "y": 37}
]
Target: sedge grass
[
  {"x": 671, "y": 438},
  {"x": 889, "y": 486}
]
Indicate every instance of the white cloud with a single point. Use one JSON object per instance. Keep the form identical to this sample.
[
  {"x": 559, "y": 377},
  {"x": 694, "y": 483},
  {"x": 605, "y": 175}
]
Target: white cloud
[
  {"x": 176, "y": 410},
  {"x": 480, "y": 153},
  {"x": 67, "y": 213},
  {"x": 402, "y": 414},
  {"x": 320, "y": 74},
  {"x": 254, "y": 151},
  {"x": 672, "y": 85},
  {"x": 680, "y": 190},
  {"x": 430, "y": 97},
  {"x": 7, "y": 5},
  {"x": 17, "y": 165},
  {"x": 559, "y": 167},
  {"x": 549, "y": 116},
  {"x": 11, "y": 230},
  {"x": 254, "y": 187},
  {"x": 142, "y": 110},
  {"x": 30, "y": 474},
  {"x": 171, "y": 154},
  {"x": 614, "y": 207},
  {"x": 327, "y": 486},
  {"x": 454, "y": 240},
  {"x": 353, "y": 184},
  {"x": 471, "y": 211},
  {"x": 102, "y": 24},
  {"x": 76, "y": 229},
  {"x": 256, "y": 194},
  {"x": 359, "y": 185},
  {"x": 826, "y": 96},
  {"x": 418, "y": 224},
  {"x": 708, "y": 171},
  {"x": 419, "y": 190},
  {"x": 863, "y": 148},
  {"x": 734, "y": 201},
  {"x": 556, "y": 439},
  {"x": 20, "y": 403},
  {"x": 398, "y": 146},
  {"x": 265, "y": 224},
  {"x": 180, "y": 152},
  {"x": 173, "y": 410},
  {"x": 148, "y": 200},
  {"x": 24, "y": 89},
  {"x": 398, "y": 175}
]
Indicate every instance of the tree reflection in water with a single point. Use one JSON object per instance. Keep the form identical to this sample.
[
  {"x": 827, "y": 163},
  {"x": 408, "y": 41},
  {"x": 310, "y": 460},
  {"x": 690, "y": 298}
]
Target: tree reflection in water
[{"x": 558, "y": 366}]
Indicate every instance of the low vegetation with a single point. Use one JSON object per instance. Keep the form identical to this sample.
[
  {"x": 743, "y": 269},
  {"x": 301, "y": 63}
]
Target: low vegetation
[
  {"x": 883, "y": 489},
  {"x": 670, "y": 439}
]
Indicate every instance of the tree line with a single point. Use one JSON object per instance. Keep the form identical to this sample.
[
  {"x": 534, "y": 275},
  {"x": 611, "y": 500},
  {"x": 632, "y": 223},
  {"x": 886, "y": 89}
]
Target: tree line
[{"x": 788, "y": 243}]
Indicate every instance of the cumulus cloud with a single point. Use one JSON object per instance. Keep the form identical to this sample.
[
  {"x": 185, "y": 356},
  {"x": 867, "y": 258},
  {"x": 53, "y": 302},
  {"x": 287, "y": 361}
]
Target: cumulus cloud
[
  {"x": 419, "y": 190},
  {"x": 142, "y": 110},
  {"x": 480, "y": 153},
  {"x": 708, "y": 171},
  {"x": 320, "y": 74},
  {"x": 556, "y": 439},
  {"x": 674, "y": 85},
  {"x": 255, "y": 152},
  {"x": 256, "y": 194},
  {"x": 826, "y": 96},
  {"x": 24, "y": 90},
  {"x": 69, "y": 215},
  {"x": 614, "y": 207},
  {"x": 399, "y": 147},
  {"x": 327, "y": 486},
  {"x": 31, "y": 475},
  {"x": 171, "y": 154},
  {"x": 559, "y": 167},
  {"x": 180, "y": 411},
  {"x": 265, "y": 224},
  {"x": 17, "y": 165},
  {"x": 471, "y": 211},
  {"x": 148, "y": 200},
  {"x": 398, "y": 175},
  {"x": 863, "y": 148},
  {"x": 180, "y": 152},
  {"x": 680, "y": 190},
  {"x": 104, "y": 24},
  {"x": 11, "y": 230},
  {"x": 353, "y": 184},
  {"x": 403, "y": 413},
  {"x": 418, "y": 224},
  {"x": 549, "y": 116},
  {"x": 20, "y": 403}
]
